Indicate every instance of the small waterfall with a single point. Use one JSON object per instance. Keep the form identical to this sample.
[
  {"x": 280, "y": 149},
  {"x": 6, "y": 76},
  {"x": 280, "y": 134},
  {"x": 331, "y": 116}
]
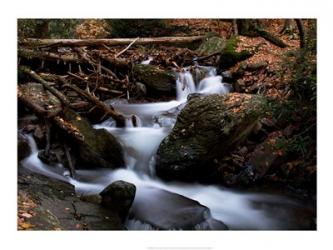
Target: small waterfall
[
  {"x": 133, "y": 121},
  {"x": 185, "y": 85},
  {"x": 213, "y": 85},
  {"x": 32, "y": 144},
  {"x": 210, "y": 84},
  {"x": 146, "y": 62}
]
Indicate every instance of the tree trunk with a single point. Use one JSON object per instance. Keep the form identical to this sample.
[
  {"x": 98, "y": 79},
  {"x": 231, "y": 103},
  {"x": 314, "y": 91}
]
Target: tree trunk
[
  {"x": 301, "y": 31},
  {"x": 42, "y": 28},
  {"x": 234, "y": 27}
]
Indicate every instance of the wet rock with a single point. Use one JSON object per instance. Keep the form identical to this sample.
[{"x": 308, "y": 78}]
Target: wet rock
[
  {"x": 98, "y": 148},
  {"x": 23, "y": 148},
  {"x": 164, "y": 210},
  {"x": 58, "y": 208},
  {"x": 205, "y": 129},
  {"x": 227, "y": 76},
  {"x": 119, "y": 197},
  {"x": 93, "y": 198},
  {"x": 39, "y": 135},
  {"x": 154, "y": 78},
  {"x": 141, "y": 88}
]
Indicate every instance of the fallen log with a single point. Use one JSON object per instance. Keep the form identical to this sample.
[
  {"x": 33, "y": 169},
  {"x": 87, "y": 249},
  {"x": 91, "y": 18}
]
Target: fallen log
[
  {"x": 110, "y": 42},
  {"x": 44, "y": 55}
]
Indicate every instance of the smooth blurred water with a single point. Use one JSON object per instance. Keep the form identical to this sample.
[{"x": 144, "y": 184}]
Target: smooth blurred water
[{"x": 154, "y": 122}]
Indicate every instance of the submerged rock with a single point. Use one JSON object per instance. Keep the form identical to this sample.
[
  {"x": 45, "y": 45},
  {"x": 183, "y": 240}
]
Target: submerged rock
[
  {"x": 206, "y": 128},
  {"x": 164, "y": 210},
  {"x": 119, "y": 197},
  {"x": 154, "y": 78}
]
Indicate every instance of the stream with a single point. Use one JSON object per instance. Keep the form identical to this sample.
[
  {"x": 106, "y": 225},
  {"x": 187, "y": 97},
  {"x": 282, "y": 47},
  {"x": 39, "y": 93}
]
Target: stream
[{"x": 146, "y": 126}]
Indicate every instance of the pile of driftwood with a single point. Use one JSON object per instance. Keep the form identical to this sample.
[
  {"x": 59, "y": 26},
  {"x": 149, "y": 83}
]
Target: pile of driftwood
[
  {"x": 59, "y": 80},
  {"x": 82, "y": 73}
]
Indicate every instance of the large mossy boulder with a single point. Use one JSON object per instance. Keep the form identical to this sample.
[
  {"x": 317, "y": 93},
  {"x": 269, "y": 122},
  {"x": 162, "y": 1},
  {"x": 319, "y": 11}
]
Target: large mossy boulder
[
  {"x": 206, "y": 128},
  {"x": 98, "y": 148},
  {"x": 155, "y": 79},
  {"x": 211, "y": 45}
]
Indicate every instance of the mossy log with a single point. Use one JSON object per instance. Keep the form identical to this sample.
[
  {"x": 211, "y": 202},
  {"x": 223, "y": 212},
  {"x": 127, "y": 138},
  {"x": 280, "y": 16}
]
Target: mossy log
[{"x": 110, "y": 42}]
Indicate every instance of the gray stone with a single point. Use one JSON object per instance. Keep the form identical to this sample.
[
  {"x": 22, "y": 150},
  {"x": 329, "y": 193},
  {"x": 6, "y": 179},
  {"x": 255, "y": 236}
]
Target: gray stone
[
  {"x": 164, "y": 210},
  {"x": 119, "y": 197}
]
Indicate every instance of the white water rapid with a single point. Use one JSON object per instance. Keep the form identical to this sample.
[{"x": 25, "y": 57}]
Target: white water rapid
[{"x": 140, "y": 141}]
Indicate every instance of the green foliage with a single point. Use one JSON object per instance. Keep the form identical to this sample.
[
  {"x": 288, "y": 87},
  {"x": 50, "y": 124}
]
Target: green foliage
[
  {"x": 136, "y": 27},
  {"x": 47, "y": 28},
  {"x": 302, "y": 66},
  {"x": 26, "y": 27},
  {"x": 296, "y": 145},
  {"x": 63, "y": 28},
  {"x": 301, "y": 117}
]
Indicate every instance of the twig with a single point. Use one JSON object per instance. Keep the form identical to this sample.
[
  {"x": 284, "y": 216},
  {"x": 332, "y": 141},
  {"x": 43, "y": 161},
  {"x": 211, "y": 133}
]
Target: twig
[
  {"x": 70, "y": 163},
  {"x": 109, "y": 110},
  {"x": 121, "y": 52}
]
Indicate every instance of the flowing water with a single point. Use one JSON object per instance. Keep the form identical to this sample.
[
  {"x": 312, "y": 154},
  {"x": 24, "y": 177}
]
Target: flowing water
[{"x": 147, "y": 125}]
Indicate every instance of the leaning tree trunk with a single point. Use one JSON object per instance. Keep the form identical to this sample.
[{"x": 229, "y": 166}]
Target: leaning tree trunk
[{"x": 253, "y": 28}]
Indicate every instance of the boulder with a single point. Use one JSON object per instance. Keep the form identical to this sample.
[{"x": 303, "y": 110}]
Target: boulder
[
  {"x": 98, "y": 148},
  {"x": 211, "y": 45},
  {"x": 154, "y": 78},
  {"x": 206, "y": 128},
  {"x": 23, "y": 147},
  {"x": 119, "y": 196},
  {"x": 54, "y": 205},
  {"x": 230, "y": 56},
  {"x": 164, "y": 210}
]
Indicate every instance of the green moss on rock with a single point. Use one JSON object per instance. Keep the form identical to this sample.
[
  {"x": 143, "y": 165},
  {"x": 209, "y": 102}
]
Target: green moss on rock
[
  {"x": 229, "y": 55},
  {"x": 155, "y": 78}
]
